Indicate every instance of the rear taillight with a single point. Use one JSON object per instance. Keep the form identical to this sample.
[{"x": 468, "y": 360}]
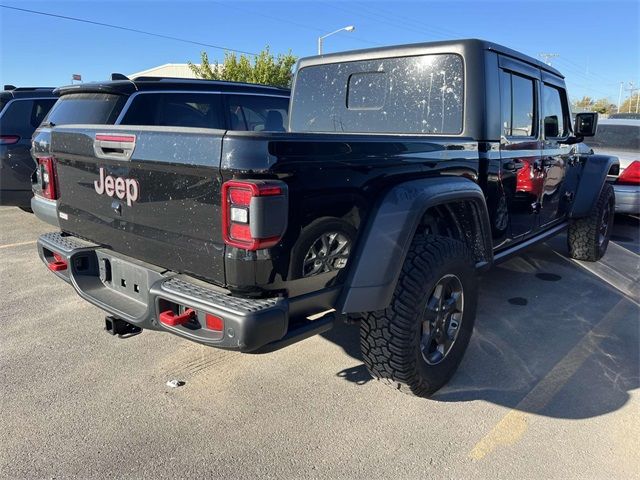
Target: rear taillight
[
  {"x": 254, "y": 213},
  {"x": 48, "y": 177},
  {"x": 630, "y": 175},
  {"x": 9, "y": 139}
]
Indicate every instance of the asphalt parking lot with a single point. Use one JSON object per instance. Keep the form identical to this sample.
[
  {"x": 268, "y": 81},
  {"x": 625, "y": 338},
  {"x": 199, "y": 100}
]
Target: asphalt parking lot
[{"x": 548, "y": 389}]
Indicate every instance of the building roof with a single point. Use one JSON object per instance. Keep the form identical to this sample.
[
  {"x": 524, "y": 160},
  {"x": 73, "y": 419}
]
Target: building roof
[{"x": 175, "y": 70}]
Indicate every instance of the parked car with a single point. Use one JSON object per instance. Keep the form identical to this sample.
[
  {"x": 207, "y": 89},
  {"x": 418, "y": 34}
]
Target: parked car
[
  {"x": 394, "y": 186},
  {"x": 152, "y": 101},
  {"x": 21, "y": 111},
  {"x": 621, "y": 137}
]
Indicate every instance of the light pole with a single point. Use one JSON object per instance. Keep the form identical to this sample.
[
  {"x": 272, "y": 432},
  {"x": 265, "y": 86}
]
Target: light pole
[
  {"x": 349, "y": 28},
  {"x": 620, "y": 96}
]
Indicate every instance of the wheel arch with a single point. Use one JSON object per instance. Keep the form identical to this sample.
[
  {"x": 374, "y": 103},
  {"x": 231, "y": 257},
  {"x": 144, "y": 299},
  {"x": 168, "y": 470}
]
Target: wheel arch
[
  {"x": 593, "y": 176},
  {"x": 386, "y": 236}
]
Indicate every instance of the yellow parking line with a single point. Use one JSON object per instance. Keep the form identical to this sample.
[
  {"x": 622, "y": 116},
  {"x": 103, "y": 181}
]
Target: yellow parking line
[
  {"x": 31, "y": 242},
  {"x": 515, "y": 423}
]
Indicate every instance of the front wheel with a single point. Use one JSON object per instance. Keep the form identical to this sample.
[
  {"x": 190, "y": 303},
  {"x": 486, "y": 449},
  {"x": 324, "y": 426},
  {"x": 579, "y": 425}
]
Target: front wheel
[
  {"x": 588, "y": 237},
  {"x": 417, "y": 343}
]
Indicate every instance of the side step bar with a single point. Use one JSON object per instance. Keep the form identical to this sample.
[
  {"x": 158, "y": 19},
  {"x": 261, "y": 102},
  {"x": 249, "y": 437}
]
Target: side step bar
[
  {"x": 507, "y": 253},
  {"x": 301, "y": 331}
]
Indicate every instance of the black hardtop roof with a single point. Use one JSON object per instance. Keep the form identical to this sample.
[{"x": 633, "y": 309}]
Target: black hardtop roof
[
  {"x": 166, "y": 83},
  {"x": 469, "y": 44},
  {"x": 27, "y": 92}
]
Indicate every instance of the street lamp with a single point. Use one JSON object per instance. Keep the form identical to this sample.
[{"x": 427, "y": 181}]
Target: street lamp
[{"x": 350, "y": 28}]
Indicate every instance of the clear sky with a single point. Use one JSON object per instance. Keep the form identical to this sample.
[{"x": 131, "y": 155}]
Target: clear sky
[{"x": 598, "y": 42}]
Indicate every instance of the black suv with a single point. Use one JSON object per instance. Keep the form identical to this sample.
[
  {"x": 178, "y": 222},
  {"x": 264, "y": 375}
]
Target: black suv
[
  {"x": 21, "y": 111},
  {"x": 160, "y": 102}
]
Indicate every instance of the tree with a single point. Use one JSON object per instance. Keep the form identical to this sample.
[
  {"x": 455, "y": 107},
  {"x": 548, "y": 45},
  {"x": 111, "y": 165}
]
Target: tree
[
  {"x": 631, "y": 104},
  {"x": 603, "y": 106},
  {"x": 585, "y": 103},
  {"x": 264, "y": 69}
]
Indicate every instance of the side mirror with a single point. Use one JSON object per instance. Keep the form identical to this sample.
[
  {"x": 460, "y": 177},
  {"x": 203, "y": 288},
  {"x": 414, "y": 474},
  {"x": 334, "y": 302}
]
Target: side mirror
[{"x": 586, "y": 124}]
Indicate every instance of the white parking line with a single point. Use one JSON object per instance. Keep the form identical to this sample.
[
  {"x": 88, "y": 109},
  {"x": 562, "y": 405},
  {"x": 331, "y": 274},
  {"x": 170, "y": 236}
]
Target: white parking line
[
  {"x": 619, "y": 268},
  {"x": 31, "y": 242}
]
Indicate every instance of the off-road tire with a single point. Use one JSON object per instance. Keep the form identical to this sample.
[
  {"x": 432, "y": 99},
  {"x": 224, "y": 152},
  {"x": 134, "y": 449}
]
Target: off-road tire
[
  {"x": 584, "y": 237},
  {"x": 390, "y": 339}
]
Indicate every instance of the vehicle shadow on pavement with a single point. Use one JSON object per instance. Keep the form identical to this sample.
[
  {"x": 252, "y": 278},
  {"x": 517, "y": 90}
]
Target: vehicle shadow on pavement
[{"x": 550, "y": 339}]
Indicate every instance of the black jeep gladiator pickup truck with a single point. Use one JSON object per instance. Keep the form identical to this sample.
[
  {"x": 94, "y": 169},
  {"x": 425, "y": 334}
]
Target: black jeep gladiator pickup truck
[{"x": 404, "y": 172}]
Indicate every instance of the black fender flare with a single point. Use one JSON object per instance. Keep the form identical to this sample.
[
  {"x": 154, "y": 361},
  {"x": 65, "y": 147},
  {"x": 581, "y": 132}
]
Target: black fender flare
[
  {"x": 386, "y": 238},
  {"x": 592, "y": 178}
]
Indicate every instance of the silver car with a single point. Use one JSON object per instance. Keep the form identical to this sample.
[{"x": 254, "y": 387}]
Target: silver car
[{"x": 621, "y": 138}]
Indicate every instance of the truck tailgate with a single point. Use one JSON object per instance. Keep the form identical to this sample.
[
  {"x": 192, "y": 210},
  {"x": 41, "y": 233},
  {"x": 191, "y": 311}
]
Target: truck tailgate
[{"x": 115, "y": 189}]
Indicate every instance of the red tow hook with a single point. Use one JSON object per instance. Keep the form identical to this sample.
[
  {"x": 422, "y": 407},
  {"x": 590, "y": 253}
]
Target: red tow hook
[
  {"x": 172, "y": 320},
  {"x": 58, "y": 263}
]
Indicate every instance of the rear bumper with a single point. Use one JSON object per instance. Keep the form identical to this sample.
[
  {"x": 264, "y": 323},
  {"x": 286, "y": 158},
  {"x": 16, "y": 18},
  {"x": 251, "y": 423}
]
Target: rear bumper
[
  {"x": 138, "y": 292},
  {"x": 45, "y": 210},
  {"x": 627, "y": 198}
]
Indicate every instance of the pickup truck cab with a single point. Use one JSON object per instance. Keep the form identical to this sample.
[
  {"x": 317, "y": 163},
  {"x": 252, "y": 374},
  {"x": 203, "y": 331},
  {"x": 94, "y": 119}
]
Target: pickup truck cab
[
  {"x": 404, "y": 172},
  {"x": 152, "y": 101}
]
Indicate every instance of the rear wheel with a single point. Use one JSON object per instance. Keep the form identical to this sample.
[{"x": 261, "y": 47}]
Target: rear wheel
[
  {"x": 588, "y": 237},
  {"x": 324, "y": 246},
  {"x": 417, "y": 343}
]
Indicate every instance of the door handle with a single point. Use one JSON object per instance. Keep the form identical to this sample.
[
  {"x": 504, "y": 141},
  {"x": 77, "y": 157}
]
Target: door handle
[
  {"x": 513, "y": 166},
  {"x": 115, "y": 147}
]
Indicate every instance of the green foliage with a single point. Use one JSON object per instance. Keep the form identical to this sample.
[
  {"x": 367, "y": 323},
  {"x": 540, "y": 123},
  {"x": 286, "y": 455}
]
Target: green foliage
[{"x": 264, "y": 69}]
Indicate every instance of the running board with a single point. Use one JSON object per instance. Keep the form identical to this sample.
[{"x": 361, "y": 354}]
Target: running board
[
  {"x": 300, "y": 332},
  {"x": 517, "y": 249}
]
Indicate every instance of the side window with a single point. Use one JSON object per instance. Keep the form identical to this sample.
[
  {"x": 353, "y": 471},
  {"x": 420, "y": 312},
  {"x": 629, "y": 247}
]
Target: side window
[
  {"x": 40, "y": 109},
  {"x": 505, "y": 102},
  {"x": 258, "y": 113},
  {"x": 199, "y": 110},
  {"x": 555, "y": 116},
  {"x": 518, "y": 105}
]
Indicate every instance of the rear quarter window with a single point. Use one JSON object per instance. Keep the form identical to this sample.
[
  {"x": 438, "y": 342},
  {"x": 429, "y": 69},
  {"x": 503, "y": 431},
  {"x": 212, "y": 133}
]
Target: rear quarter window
[
  {"x": 199, "y": 110},
  {"x": 86, "y": 109},
  {"x": 417, "y": 94},
  {"x": 258, "y": 113}
]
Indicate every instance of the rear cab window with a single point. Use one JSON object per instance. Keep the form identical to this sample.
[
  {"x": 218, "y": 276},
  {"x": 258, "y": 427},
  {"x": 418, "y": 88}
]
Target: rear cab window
[{"x": 421, "y": 94}]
